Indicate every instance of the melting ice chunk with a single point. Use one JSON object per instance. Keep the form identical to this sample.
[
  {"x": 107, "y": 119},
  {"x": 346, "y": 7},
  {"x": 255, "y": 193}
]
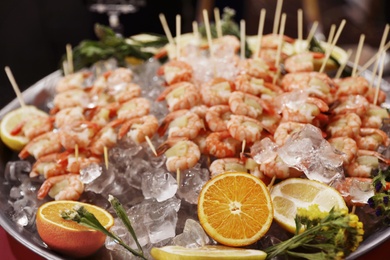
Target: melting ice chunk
[
  {"x": 158, "y": 184},
  {"x": 193, "y": 235},
  {"x": 309, "y": 152},
  {"x": 264, "y": 150}
]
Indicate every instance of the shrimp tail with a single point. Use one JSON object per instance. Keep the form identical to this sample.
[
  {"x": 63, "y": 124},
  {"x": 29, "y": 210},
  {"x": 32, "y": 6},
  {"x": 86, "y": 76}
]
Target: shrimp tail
[{"x": 44, "y": 189}]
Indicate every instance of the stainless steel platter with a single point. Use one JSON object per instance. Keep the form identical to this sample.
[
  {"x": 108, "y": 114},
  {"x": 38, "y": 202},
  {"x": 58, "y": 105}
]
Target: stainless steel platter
[{"x": 36, "y": 95}]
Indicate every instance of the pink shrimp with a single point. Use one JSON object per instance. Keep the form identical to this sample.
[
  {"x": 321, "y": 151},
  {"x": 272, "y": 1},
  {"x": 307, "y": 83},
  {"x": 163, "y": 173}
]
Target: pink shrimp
[
  {"x": 181, "y": 123},
  {"x": 217, "y": 117},
  {"x": 352, "y": 86},
  {"x": 257, "y": 68},
  {"x": 41, "y": 145},
  {"x": 344, "y": 125},
  {"x": 227, "y": 165},
  {"x": 182, "y": 95},
  {"x": 244, "y": 128},
  {"x": 371, "y": 93},
  {"x": 347, "y": 146},
  {"x": 71, "y": 98},
  {"x": 225, "y": 46},
  {"x": 257, "y": 87},
  {"x": 303, "y": 62},
  {"x": 135, "y": 107},
  {"x": 285, "y": 130},
  {"x": 79, "y": 133},
  {"x": 73, "y": 81},
  {"x": 216, "y": 91},
  {"x": 69, "y": 115},
  {"x": 106, "y": 137},
  {"x": 241, "y": 103},
  {"x": 34, "y": 126},
  {"x": 351, "y": 104},
  {"x": 374, "y": 116},
  {"x": 221, "y": 144},
  {"x": 271, "y": 41},
  {"x": 316, "y": 84},
  {"x": 175, "y": 71},
  {"x": 181, "y": 153},
  {"x": 279, "y": 169},
  {"x": 125, "y": 92},
  {"x": 371, "y": 139},
  {"x": 62, "y": 187},
  {"x": 270, "y": 56},
  {"x": 345, "y": 186},
  {"x": 364, "y": 163},
  {"x": 138, "y": 129}
]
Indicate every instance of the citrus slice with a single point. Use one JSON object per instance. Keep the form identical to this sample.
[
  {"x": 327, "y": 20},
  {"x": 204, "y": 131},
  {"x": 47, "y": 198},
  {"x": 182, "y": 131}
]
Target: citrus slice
[
  {"x": 293, "y": 193},
  {"x": 11, "y": 120},
  {"x": 235, "y": 208},
  {"x": 206, "y": 252},
  {"x": 69, "y": 237}
]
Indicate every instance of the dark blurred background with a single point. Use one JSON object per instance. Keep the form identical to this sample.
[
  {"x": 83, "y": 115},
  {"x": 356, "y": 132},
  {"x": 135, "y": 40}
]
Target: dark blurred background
[{"x": 33, "y": 33}]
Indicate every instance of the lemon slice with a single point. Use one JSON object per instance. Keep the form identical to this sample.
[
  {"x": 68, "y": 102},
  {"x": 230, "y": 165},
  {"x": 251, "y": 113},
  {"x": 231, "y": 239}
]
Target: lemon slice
[
  {"x": 293, "y": 193},
  {"x": 206, "y": 252},
  {"x": 11, "y": 120}
]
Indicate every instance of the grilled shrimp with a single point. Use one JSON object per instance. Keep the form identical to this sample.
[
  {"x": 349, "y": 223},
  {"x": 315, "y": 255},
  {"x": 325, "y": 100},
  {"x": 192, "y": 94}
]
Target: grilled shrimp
[
  {"x": 285, "y": 130},
  {"x": 227, "y": 165},
  {"x": 34, "y": 126},
  {"x": 303, "y": 62},
  {"x": 241, "y": 103},
  {"x": 73, "y": 81},
  {"x": 41, "y": 145},
  {"x": 135, "y": 107},
  {"x": 68, "y": 115},
  {"x": 106, "y": 137},
  {"x": 176, "y": 71},
  {"x": 344, "y": 125},
  {"x": 79, "y": 133}
]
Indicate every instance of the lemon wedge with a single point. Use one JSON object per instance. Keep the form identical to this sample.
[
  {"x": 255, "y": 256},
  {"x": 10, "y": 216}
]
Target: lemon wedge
[
  {"x": 11, "y": 120},
  {"x": 206, "y": 252}
]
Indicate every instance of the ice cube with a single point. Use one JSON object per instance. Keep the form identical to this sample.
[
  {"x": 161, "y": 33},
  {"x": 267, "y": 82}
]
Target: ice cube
[
  {"x": 264, "y": 151},
  {"x": 192, "y": 181},
  {"x": 158, "y": 184},
  {"x": 309, "y": 152},
  {"x": 17, "y": 171},
  {"x": 193, "y": 235},
  {"x": 90, "y": 173}
]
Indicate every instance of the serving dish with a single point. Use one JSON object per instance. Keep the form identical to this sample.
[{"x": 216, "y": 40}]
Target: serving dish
[{"x": 36, "y": 95}]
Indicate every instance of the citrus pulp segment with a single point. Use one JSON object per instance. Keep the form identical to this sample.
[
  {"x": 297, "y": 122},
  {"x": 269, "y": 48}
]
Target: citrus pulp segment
[
  {"x": 235, "y": 208},
  {"x": 293, "y": 193}
]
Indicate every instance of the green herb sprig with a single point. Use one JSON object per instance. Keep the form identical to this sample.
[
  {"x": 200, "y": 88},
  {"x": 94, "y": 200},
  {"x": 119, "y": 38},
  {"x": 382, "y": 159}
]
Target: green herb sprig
[
  {"x": 111, "y": 45},
  {"x": 332, "y": 235},
  {"x": 82, "y": 216}
]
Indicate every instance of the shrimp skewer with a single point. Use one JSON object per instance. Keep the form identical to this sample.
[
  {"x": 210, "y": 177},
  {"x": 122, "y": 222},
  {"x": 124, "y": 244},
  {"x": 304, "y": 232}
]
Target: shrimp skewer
[
  {"x": 138, "y": 129},
  {"x": 221, "y": 144},
  {"x": 62, "y": 187}
]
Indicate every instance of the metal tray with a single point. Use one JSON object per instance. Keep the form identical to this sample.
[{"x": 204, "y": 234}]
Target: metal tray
[{"x": 36, "y": 95}]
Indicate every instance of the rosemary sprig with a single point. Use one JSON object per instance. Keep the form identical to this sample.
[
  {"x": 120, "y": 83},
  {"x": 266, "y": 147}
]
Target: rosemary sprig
[
  {"x": 82, "y": 216},
  {"x": 331, "y": 237}
]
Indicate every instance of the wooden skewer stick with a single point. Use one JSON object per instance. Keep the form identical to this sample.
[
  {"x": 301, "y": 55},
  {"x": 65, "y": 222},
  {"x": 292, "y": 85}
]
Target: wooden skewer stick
[
  {"x": 218, "y": 24},
  {"x": 379, "y": 81},
  {"x": 278, "y": 11},
  {"x": 105, "y": 156},
  {"x": 195, "y": 29},
  {"x": 373, "y": 58},
  {"x": 331, "y": 34},
  {"x": 383, "y": 40},
  {"x": 353, "y": 209},
  {"x": 312, "y": 31},
  {"x": 279, "y": 50},
  {"x": 260, "y": 32},
  {"x": 151, "y": 145},
  {"x": 178, "y": 177},
  {"x": 69, "y": 57},
  {"x": 242, "y": 39},
  {"x": 271, "y": 184},
  {"x": 342, "y": 66},
  {"x": 15, "y": 86},
  {"x": 208, "y": 32},
  {"x": 336, "y": 38},
  {"x": 76, "y": 152},
  {"x": 358, "y": 53},
  {"x": 178, "y": 35},
  {"x": 166, "y": 29},
  {"x": 243, "y": 146},
  {"x": 300, "y": 24}
]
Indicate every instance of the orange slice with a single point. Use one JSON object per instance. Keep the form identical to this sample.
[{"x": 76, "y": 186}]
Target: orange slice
[
  {"x": 69, "y": 237},
  {"x": 235, "y": 208}
]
